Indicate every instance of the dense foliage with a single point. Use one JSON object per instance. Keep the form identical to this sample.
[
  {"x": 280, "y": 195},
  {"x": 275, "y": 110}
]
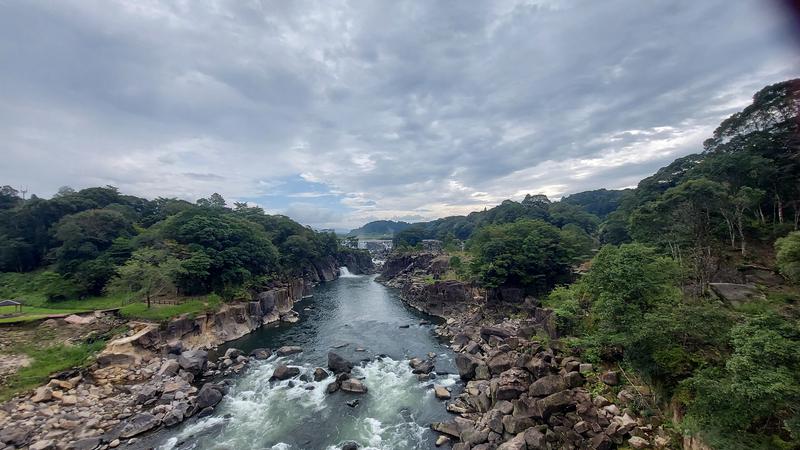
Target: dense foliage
[
  {"x": 97, "y": 239},
  {"x": 733, "y": 370}
]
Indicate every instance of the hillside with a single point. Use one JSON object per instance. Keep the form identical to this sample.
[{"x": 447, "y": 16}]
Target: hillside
[{"x": 379, "y": 229}]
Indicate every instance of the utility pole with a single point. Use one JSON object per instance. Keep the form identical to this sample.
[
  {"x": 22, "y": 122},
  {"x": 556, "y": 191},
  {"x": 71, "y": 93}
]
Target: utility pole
[{"x": 23, "y": 191}]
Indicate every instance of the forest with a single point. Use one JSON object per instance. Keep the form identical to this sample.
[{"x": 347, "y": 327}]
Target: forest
[
  {"x": 646, "y": 300},
  {"x": 98, "y": 241}
]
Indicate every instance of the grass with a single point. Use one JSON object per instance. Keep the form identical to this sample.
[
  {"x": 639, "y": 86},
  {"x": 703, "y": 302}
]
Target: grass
[
  {"x": 164, "y": 312},
  {"x": 46, "y": 361},
  {"x": 26, "y": 288}
]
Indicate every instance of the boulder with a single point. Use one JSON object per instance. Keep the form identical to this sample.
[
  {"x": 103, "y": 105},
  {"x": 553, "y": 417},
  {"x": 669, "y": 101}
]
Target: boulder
[
  {"x": 494, "y": 331},
  {"x": 169, "y": 368},
  {"x": 261, "y": 353},
  {"x": 736, "y": 294},
  {"x": 441, "y": 392},
  {"x": 610, "y": 378},
  {"x": 288, "y": 350},
  {"x": 466, "y": 365},
  {"x": 499, "y": 363},
  {"x": 511, "y": 384},
  {"x": 233, "y": 353},
  {"x": 558, "y": 402},
  {"x": 193, "y": 361},
  {"x": 209, "y": 395},
  {"x": 42, "y": 394},
  {"x": 320, "y": 374},
  {"x": 284, "y": 372},
  {"x": 515, "y": 443},
  {"x": 638, "y": 442},
  {"x": 337, "y": 364},
  {"x": 547, "y": 386},
  {"x": 79, "y": 320},
  {"x": 139, "y": 424},
  {"x": 535, "y": 439},
  {"x": 354, "y": 386}
]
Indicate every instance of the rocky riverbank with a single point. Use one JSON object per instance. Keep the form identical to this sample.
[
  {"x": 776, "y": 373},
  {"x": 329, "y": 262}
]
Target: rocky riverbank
[
  {"x": 156, "y": 375},
  {"x": 521, "y": 391}
]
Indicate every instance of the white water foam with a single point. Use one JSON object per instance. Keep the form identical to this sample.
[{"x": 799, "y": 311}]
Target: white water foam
[{"x": 345, "y": 273}]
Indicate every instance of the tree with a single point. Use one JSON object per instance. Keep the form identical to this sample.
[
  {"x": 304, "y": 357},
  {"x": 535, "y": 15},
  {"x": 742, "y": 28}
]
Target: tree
[
  {"x": 627, "y": 282},
  {"x": 788, "y": 256},
  {"x": 147, "y": 274},
  {"x": 213, "y": 201},
  {"x": 9, "y": 197},
  {"x": 527, "y": 253}
]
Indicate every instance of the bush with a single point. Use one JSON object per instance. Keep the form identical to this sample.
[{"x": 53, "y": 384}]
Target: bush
[{"x": 788, "y": 256}]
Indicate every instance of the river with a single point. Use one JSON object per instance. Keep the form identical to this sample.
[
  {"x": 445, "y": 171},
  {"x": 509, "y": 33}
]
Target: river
[{"x": 360, "y": 319}]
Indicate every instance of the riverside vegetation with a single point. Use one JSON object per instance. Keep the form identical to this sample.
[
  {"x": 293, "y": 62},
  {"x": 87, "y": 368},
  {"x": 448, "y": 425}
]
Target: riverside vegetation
[{"x": 686, "y": 291}]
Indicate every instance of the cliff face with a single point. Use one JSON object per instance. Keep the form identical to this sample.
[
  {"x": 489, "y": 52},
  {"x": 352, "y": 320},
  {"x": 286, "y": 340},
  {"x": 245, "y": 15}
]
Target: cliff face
[{"x": 232, "y": 321}]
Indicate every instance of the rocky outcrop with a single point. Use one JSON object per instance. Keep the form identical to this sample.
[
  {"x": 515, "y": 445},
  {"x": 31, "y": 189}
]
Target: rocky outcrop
[
  {"x": 521, "y": 394},
  {"x": 114, "y": 403}
]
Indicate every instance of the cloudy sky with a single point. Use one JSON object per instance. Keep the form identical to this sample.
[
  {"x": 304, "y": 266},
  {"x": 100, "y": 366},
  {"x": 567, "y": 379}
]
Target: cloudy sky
[{"x": 341, "y": 112}]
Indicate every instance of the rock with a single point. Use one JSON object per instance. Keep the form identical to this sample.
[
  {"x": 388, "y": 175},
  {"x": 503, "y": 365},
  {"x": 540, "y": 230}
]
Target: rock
[
  {"x": 535, "y": 439},
  {"x": 354, "y": 386},
  {"x": 350, "y": 446},
  {"x": 482, "y": 372},
  {"x": 442, "y": 440},
  {"x": 515, "y": 443},
  {"x": 169, "y": 368},
  {"x": 352, "y": 403},
  {"x": 332, "y": 387},
  {"x": 499, "y": 364},
  {"x": 193, "y": 361},
  {"x": 404, "y": 326},
  {"x": 320, "y": 374},
  {"x": 14, "y": 436},
  {"x": 288, "y": 350},
  {"x": 585, "y": 368},
  {"x": 516, "y": 425},
  {"x": 547, "y": 386},
  {"x": 610, "y": 378},
  {"x": 69, "y": 400},
  {"x": 601, "y": 442},
  {"x": 736, "y": 294},
  {"x": 42, "y": 394},
  {"x": 84, "y": 444},
  {"x": 337, "y": 364},
  {"x": 426, "y": 366},
  {"x": 138, "y": 424},
  {"x": 511, "y": 384},
  {"x": 574, "y": 379},
  {"x": 261, "y": 353},
  {"x": 441, "y": 392},
  {"x": 494, "y": 331},
  {"x": 284, "y": 372},
  {"x": 638, "y": 442},
  {"x": 558, "y": 402},
  {"x": 44, "y": 444},
  {"x": 233, "y": 353},
  {"x": 79, "y": 320},
  {"x": 114, "y": 444},
  {"x": 209, "y": 395},
  {"x": 538, "y": 367},
  {"x": 466, "y": 365}
]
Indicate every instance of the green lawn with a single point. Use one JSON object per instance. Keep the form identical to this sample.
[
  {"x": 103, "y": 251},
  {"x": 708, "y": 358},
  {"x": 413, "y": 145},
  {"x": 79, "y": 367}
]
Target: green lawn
[
  {"x": 24, "y": 287},
  {"x": 46, "y": 361}
]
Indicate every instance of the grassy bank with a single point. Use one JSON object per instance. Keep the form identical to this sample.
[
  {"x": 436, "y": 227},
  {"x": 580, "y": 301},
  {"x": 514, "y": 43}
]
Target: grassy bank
[{"x": 25, "y": 288}]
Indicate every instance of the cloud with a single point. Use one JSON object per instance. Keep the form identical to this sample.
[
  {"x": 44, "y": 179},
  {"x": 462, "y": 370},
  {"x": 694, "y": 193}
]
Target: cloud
[{"x": 367, "y": 110}]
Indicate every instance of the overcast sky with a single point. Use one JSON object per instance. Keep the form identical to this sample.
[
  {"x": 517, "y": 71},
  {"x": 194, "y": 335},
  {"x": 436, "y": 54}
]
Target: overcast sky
[{"x": 340, "y": 112}]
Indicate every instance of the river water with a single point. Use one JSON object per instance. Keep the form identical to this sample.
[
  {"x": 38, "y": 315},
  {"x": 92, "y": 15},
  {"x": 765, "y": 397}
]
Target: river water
[{"x": 360, "y": 319}]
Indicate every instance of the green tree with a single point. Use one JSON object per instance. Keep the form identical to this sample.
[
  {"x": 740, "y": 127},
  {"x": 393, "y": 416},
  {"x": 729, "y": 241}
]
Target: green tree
[
  {"x": 788, "y": 256},
  {"x": 147, "y": 274},
  {"x": 526, "y": 253}
]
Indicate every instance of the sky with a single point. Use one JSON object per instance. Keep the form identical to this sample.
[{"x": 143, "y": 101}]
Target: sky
[{"x": 337, "y": 113}]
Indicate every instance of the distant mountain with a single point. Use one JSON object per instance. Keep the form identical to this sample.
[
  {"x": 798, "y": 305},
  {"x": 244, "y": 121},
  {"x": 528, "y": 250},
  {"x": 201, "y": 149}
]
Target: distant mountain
[{"x": 380, "y": 228}]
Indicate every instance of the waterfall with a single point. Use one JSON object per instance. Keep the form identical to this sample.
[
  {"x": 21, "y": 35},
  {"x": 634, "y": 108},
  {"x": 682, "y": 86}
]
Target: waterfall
[{"x": 345, "y": 273}]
